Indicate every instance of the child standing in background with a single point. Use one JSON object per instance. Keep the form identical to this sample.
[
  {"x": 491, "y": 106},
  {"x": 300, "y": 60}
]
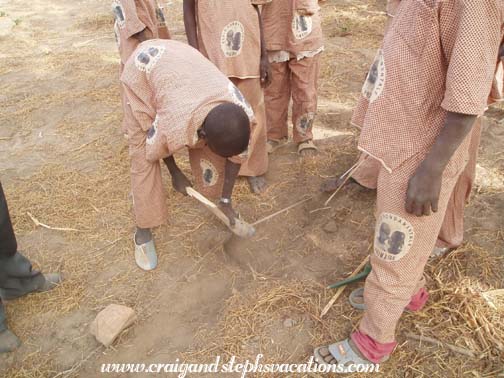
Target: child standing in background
[
  {"x": 135, "y": 22},
  {"x": 293, "y": 34},
  {"x": 229, "y": 33}
]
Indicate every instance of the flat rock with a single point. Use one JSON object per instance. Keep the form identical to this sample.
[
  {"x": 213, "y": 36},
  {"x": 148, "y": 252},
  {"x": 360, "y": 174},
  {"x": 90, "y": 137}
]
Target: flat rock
[
  {"x": 110, "y": 322},
  {"x": 331, "y": 227}
]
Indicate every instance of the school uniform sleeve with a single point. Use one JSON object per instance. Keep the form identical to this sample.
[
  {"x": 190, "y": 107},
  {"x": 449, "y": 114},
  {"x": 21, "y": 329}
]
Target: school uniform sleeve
[
  {"x": 392, "y": 6},
  {"x": 471, "y": 69},
  {"x": 133, "y": 24}
]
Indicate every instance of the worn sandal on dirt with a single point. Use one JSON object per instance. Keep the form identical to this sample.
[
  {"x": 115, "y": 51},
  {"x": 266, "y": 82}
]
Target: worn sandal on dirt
[
  {"x": 51, "y": 281},
  {"x": 307, "y": 145},
  {"x": 145, "y": 255},
  {"x": 440, "y": 252},
  {"x": 8, "y": 341},
  {"x": 356, "y": 299},
  {"x": 344, "y": 355},
  {"x": 273, "y": 144}
]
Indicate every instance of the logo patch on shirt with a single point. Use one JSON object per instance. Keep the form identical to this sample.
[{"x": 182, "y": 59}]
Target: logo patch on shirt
[
  {"x": 120, "y": 17},
  {"x": 209, "y": 173},
  {"x": 240, "y": 100},
  {"x": 232, "y": 38},
  {"x": 301, "y": 26},
  {"x": 147, "y": 58},
  {"x": 116, "y": 34},
  {"x": 375, "y": 81},
  {"x": 152, "y": 132},
  {"x": 393, "y": 237}
]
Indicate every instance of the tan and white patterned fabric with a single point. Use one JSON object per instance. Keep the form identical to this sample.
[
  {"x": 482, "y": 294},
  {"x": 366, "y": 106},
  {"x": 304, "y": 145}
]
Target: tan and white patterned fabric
[
  {"x": 451, "y": 234},
  {"x": 402, "y": 110},
  {"x": 293, "y": 34},
  {"x": 229, "y": 36},
  {"x": 296, "y": 79},
  {"x": 437, "y": 56},
  {"x": 168, "y": 103},
  {"x": 131, "y": 17},
  {"x": 402, "y": 245},
  {"x": 257, "y": 161},
  {"x": 292, "y": 25}
]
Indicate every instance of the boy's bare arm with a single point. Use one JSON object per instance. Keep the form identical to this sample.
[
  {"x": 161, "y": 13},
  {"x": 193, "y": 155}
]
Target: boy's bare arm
[
  {"x": 179, "y": 181},
  {"x": 190, "y": 23},
  {"x": 264, "y": 63},
  {"x": 230, "y": 175}
]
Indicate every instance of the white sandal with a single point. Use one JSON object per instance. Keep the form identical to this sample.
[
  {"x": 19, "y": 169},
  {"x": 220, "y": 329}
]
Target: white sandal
[{"x": 145, "y": 255}]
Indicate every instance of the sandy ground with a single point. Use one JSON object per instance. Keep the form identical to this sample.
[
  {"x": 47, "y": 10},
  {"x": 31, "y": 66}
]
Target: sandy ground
[{"x": 63, "y": 160}]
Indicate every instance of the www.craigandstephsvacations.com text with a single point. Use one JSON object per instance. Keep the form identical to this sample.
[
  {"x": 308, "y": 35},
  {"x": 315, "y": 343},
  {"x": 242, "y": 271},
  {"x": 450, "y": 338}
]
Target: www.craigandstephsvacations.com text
[{"x": 234, "y": 366}]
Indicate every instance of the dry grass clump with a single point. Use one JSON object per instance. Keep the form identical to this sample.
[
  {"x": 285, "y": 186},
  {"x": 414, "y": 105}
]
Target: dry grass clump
[{"x": 464, "y": 312}]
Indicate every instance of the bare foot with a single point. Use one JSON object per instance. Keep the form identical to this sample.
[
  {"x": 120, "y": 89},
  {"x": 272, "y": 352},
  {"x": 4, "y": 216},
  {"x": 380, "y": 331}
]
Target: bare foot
[
  {"x": 143, "y": 235},
  {"x": 272, "y": 144},
  {"x": 257, "y": 184},
  {"x": 327, "y": 356},
  {"x": 331, "y": 185},
  {"x": 180, "y": 182}
]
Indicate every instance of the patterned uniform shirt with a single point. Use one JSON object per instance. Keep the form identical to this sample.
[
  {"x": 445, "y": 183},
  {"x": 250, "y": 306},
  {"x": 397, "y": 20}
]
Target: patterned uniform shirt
[
  {"x": 171, "y": 88},
  {"x": 229, "y": 35},
  {"x": 133, "y": 16},
  {"x": 292, "y": 26},
  {"x": 437, "y": 56}
]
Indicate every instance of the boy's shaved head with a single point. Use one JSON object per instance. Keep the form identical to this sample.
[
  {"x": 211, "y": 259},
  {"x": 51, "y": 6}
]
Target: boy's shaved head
[{"x": 227, "y": 130}]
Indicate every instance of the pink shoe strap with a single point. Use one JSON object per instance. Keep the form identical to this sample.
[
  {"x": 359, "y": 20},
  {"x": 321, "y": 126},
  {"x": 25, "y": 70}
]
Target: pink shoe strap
[{"x": 371, "y": 349}]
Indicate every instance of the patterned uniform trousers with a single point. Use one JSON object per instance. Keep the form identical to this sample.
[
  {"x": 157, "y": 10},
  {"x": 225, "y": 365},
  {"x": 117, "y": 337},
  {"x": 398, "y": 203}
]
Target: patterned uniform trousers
[
  {"x": 297, "y": 79},
  {"x": 451, "y": 234},
  {"x": 404, "y": 242}
]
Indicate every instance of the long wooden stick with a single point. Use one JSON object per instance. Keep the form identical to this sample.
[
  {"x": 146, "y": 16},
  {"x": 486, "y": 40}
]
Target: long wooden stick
[
  {"x": 37, "y": 223},
  {"x": 281, "y": 211},
  {"x": 240, "y": 228},
  {"x": 347, "y": 176},
  {"x": 453, "y": 348},
  {"x": 342, "y": 289}
]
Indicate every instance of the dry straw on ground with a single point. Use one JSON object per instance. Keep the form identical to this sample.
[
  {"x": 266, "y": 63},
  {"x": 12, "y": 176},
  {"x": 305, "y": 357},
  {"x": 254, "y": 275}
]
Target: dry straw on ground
[{"x": 85, "y": 186}]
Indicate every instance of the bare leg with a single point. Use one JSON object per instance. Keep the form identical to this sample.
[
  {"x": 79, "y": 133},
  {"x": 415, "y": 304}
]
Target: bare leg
[{"x": 143, "y": 235}]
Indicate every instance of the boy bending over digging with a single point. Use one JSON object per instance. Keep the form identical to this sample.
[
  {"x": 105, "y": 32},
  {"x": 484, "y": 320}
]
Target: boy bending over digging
[{"x": 178, "y": 99}]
